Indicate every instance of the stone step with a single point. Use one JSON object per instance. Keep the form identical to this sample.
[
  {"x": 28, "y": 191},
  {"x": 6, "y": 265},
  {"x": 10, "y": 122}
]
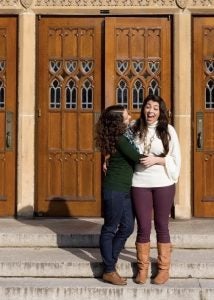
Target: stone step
[
  {"x": 80, "y": 232},
  {"x": 86, "y": 263},
  {"x": 95, "y": 289},
  {"x": 59, "y": 259}
]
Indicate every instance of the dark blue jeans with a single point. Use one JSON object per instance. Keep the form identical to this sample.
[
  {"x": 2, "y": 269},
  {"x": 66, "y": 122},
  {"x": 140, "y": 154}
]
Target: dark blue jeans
[{"x": 118, "y": 226}]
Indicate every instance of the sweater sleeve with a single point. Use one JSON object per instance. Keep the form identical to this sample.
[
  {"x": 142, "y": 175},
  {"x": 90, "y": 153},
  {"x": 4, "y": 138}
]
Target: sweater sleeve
[
  {"x": 173, "y": 158},
  {"x": 127, "y": 149}
]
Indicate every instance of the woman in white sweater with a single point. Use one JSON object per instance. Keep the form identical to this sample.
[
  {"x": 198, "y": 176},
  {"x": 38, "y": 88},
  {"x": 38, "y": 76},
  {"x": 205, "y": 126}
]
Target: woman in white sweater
[{"x": 153, "y": 184}]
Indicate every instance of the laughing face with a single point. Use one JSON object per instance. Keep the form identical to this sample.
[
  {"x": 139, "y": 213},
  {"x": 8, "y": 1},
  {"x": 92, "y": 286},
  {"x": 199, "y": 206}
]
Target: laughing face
[{"x": 151, "y": 111}]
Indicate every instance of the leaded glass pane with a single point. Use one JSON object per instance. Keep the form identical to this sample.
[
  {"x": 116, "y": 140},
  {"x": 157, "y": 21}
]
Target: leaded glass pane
[
  {"x": 209, "y": 101},
  {"x": 154, "y": 88},
  {"x": 2, "y": 94},
  {"x": 209, "y": 67},
  {"x": 2, "y": 87},
  {"x": 55, "y": 66},
  {"x": 154, "y": 66},
  {"x": 129, "y": 71},
  {"x": 71, "y": 95},
  {"x": 122, "y": 66},
  {"x": 87, "y": 65},
  {"x": 87, "y": 95},
  {"x": 70, "y": 66},
  {"x": 138, "y": 66},
  {"x": 138, "y": 95},
  {"x": 2, "y": 65},
  {"x": 122, "y": 93},
  {"x": 55, "y": 94}
]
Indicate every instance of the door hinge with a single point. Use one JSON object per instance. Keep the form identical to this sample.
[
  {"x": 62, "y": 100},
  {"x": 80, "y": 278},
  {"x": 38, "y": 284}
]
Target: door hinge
[{"x": 39, "y": 112}]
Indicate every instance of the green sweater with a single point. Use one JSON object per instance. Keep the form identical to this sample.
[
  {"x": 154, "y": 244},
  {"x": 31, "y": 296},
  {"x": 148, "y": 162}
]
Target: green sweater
[{"x": 121, "y": 166}]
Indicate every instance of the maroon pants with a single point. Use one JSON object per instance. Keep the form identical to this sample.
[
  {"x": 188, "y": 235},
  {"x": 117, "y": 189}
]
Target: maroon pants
[{"x": 159, "y": 200}]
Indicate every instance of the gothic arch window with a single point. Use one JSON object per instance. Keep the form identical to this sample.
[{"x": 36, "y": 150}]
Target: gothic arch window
[
  {"x": 154, "y": 88},
  {"x": 2, "y": 94},
  {"x": 209, "y": 87},
  {"x": 122, "y": 93},
  {"x": 2, "y": 83},
  {"x": 71, "y": 95},
  {"x": 209, "y": 94},
  {"x": 137, "y": 94},
  {"x": 87, "y": 95},
  {"x": 55, "y": 94}
]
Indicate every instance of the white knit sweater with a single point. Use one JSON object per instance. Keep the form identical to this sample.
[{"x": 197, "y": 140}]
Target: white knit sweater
[{"x": 159, "y": 175}]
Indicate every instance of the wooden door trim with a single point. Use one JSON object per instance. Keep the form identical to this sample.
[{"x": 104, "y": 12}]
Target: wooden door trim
[
  {"x": 8, "y": 52},
  {"x": 203, "y": 201}
]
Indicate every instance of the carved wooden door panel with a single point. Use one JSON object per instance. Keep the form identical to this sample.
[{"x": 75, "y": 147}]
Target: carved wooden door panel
[
  {"x": 203, "y": 116},
  {"x": 138, "y": 60},
  {"x": 69, "y": 100},
  {"x": 8, "y": 42}
]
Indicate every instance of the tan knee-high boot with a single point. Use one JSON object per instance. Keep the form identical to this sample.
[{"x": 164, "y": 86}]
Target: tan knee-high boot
[
  {"x": 164, "y": 257},
  {"x": 143, "y": 250}
]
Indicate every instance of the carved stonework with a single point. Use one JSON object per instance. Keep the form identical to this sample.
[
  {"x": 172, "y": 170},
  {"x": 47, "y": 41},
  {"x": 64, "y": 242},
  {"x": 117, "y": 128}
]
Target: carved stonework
[
  {"x": 207, "y": 3},
  {"x": 26, "y": 3},
  {"x": 105, "y": 3},
  {"x": 181, "y": 3},
  {"x": 9, "y": 3}
]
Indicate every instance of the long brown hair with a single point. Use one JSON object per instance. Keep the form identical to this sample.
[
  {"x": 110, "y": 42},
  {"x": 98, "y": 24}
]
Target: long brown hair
[
  {"x": 109, "y": 128},
  {"x": 140, "y": 126}
]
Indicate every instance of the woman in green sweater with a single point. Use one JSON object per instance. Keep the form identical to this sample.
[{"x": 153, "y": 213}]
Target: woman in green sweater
[{"x": 118, "y": 213}]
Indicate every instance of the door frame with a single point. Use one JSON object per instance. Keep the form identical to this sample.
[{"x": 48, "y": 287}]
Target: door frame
[
  {"x": 197, "y": 209},
  {"x": 8, "y": 205}
]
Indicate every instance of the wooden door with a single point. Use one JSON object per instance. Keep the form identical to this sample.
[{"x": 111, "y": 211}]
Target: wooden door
[
  {"x": 8, "y": 27},
  {"x": 69, "y": 102},
  {"x": 203, "y": 116},
  {"x": 138, "y": 60}
]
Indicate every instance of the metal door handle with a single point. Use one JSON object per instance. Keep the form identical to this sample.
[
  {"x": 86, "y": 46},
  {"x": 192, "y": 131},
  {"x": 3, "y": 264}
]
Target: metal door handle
[
  {"x": 199, "y": 131},
  {"x": 9, "y": 131},
  {"x": 199, "y": 140},
  {"x": 8, "y": 140}
]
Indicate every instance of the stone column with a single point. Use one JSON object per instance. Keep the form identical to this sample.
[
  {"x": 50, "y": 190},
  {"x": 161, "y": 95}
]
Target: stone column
[
  {"x": 182, "y": 109},
  {"x": 26, "y": 115}
]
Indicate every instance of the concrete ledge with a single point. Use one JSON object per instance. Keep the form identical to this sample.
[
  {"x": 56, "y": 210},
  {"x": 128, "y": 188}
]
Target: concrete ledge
[
  {"x": 93, "y": 289},
  {"x": 195, "y": 233},
  {"x": 87, "y": 263}
]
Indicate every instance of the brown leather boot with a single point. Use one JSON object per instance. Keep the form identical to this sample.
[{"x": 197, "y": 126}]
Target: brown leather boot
[
  {"x": 143, "y": 250},
  {"x": 114, "y": 278},
  {"x": 123, "y": 278},
  {"x": 164, "y": 255}
]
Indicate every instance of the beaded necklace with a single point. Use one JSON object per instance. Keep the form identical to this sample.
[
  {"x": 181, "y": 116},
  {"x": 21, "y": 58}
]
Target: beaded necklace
[{"x": 147, "y": 146}]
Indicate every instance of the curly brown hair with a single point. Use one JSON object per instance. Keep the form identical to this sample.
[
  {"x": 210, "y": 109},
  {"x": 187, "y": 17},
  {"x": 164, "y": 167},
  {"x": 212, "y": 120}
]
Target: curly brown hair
[{"x": 109, "y": 128}]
